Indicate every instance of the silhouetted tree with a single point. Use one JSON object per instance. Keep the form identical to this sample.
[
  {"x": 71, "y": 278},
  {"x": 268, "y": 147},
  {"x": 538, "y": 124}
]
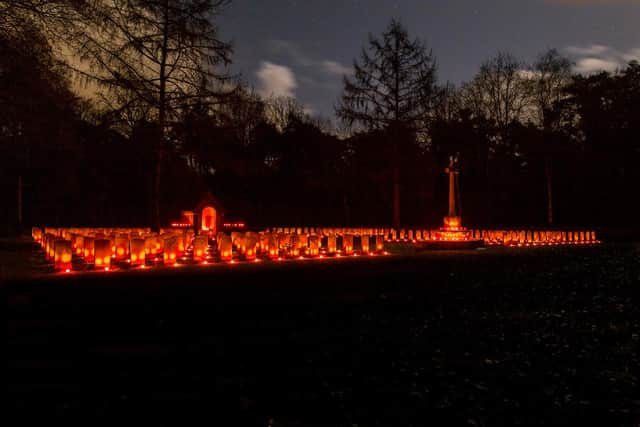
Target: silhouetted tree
[
  {"x": 392, "y": 90},
  {"x": 281, "y": 110},
  {"x": 601, "y": 116},
  {"x": 552, "y": 73},
  {"x": 159, "y": 53},
  {"x": 36, "y": 112},
  {"x": 500, "y": 92}
]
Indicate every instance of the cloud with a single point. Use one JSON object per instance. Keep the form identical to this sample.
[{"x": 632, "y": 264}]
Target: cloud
[
  {"x": 333, "y": 67},
  {"x": 301, "y": 59},
  {"x": 596, "y": 58},
  {"x": 275, "y": 80},
  {"x": 288, "y": 68},
  {"x": 632, "y": 55},
  {"x": 594, "y": 49},
  {"x": 595, "y": 65}
]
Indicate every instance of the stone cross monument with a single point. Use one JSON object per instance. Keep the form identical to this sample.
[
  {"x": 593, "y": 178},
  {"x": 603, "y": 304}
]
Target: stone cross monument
[{"x": 452, "y": 220}]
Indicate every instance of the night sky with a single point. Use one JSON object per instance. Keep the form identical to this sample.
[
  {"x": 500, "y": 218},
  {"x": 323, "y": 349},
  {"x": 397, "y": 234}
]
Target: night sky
[{"x": 302, "y": 48}]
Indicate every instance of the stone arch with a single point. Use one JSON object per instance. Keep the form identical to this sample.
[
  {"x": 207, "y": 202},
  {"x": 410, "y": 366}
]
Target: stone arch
[
  {"x": 208, "y": 220},
  {"x": 209, "y": 214}
]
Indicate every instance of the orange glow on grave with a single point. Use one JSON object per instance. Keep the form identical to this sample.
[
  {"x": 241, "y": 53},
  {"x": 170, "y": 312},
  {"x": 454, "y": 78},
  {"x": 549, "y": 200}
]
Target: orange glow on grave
[
  {"x": 106, "y": 269},
  {"x": 452, "y": 223},
  {"x": 180, "y": 225},
  {"x": 209, "y": 219},
  {"x": 234, "y": 225}
]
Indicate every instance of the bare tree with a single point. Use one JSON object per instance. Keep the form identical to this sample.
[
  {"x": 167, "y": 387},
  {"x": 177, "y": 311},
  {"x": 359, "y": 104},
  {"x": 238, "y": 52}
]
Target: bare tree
[
  {"x": 280, "y": 110},
  {"x": 243, "y": 112},
  {"x": 552, "y": 74},
  {"x": 500, "y": 92},
  {"x": 48, "y": 16},
  {"x": 392, "y": 90},
  {"x": 162, "y": 54}
]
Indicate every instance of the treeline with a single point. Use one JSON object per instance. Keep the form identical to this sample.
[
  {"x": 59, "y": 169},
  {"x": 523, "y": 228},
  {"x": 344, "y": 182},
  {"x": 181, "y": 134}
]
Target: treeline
[{"x": 537, "y": 144}]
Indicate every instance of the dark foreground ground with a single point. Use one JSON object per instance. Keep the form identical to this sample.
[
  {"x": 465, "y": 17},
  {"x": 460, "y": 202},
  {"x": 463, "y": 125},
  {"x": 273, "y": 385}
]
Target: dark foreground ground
[{"x": 540, "y": 336}]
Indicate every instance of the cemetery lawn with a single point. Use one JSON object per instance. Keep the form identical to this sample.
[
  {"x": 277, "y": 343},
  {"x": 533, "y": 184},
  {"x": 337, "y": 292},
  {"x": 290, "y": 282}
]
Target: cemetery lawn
[{"x": 500, "y": 336}]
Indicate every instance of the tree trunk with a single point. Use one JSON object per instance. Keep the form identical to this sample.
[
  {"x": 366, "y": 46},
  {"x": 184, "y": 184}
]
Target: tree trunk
[
  {"x": 396, "y": 195},
  {"x": 346, "y": 210},
  {"x": 396, "y": 180},
  {"x": 548, "y": 176},
  {"x": 20, "y": 202},
  {"x": 488, "y": 195},
  {"x": 157, "y": 173},
  {"x": 395, "y": 135},
  {"x": 155, "y": 195}
]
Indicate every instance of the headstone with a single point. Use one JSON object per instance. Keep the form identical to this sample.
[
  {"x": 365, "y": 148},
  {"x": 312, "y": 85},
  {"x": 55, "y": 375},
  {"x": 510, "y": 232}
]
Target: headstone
[
  {"x": 137, "y": 251},
  {"x": 102, "y": 250},
  {"x": 62, "y": 254}
]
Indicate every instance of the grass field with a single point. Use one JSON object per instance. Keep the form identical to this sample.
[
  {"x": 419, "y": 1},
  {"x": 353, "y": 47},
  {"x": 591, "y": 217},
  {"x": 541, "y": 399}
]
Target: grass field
[{"x": 536, "y": 336}]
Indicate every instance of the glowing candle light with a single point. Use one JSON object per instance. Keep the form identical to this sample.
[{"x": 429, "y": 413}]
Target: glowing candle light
[
  {"x": 62, "y": 254},
  {"x": 170, "y": 250},
  {"x": 137, "y": 251},
  {"x": 225, "y": 248},
  {"x": 200, "y": 244},
  {"x": 36, "y": 234},
  {"x": 364, "y": 243},
  {"x": 121, "y": 245},
  {"x": 272, "y": 245},
  {"x": 50, "y": 251},
  {"x": 379, "y": 243},
  {"x": 88, "y": 251},
  {"x": 251, "y": 242},
  {"x": 153, "y": 245},
  {"x": 347, "y": 244},
  {"x": 314, "y": 246},
  {"x": 102, "y": 251},
  {"x": 294, "y": 245},
  {"x": 332, "y": 245}
]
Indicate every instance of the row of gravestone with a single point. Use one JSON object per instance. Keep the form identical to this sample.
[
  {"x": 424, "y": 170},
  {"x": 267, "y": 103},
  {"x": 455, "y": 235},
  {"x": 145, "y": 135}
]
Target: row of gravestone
[{"x": 66, "y": 248}]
